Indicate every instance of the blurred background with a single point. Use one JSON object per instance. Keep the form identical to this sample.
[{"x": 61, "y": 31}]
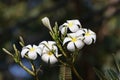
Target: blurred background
[{"x": 23, "y": 18}]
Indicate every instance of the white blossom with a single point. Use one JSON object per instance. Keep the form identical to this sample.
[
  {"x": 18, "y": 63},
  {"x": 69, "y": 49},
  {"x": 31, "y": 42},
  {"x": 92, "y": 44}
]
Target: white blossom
[
  {"x": 31, "y": 51},
  {"x": 73, "y": 41},
  {"x": 89, "y": 36},
  {"x": 72, "y": 25},
  {"x": 49, "y": 52}
]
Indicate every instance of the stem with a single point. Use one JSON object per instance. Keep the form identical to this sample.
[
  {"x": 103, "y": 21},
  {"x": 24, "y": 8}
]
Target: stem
[
  {"x": 61, "y": 48},
  {"x": 65, "y": 73},
  {"x": 54, "y": 35},
  {"x": 34, "y": 70},
  {"x": 76, "y": 73},
  {"x": 26, "y": 69},
  {"x": 6, "y": 51},
  {"x": 65, "y": 64}
]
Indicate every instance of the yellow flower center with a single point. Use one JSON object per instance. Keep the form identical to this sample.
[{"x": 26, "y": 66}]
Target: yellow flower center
[
  {"x": 74, "y": 39},
  {"x": 87, "y": 34},
  {"x": 70, "y": 24},
  {"x": 50, "y": 53},
  {"x": 32, "y": 49}
]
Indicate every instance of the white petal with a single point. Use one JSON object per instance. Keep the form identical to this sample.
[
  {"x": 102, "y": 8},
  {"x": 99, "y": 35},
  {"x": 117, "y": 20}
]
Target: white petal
[
  {"x": 72, "y": 35},
  {"x": 45, "y": 57},
  {"x": 80, "y": 32},
  {"x": 50, "y": 47},
  {"x": 94, "y": 37},
  {"x": 74, "y": 28},
  {"x": 29, "y": 46},
  {"x": 88, "y": 40},
  {"x": 43, "y": 42},
  {"x": 60, "y": 27},
  {"x": 38, "y": 50},
  {"x": 74, "y": 21},
  {"x": 64, "y": 30},
  {"x": 65, "y": 24},
  {"x": 45, "y": 50},
  {"x": 79, "y": 44},
  {"x": 48, "y": 44},
  {"x": 51, "y": 42},
  {"x": 53, "y": 59},
  {"x": 56, "y": 51},
  {"x": 41, "y": 50},
  {"x": 90, "y": 31},
  {"x": 71, "y": 46},
  {"x": 41, "y": 46},
  {"x": 55, "y": 48},
  {"x": 80, "y": 37},
  {"x": 85, "y": 30},
  {"x": 66, "y": 40},
  {"x": 34, "y": 46},
  {"x": 24, "y": 51},
  {"x": 32, "y": 55},
  {"x": 46, "y": 23}
]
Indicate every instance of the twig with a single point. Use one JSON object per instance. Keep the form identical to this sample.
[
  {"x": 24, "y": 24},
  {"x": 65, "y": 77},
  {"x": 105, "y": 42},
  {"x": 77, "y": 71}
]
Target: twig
[
  {"x": 76, "y": 73},
  {"x": 6, "y": 51},
  {"x": 26, "y": 69}
]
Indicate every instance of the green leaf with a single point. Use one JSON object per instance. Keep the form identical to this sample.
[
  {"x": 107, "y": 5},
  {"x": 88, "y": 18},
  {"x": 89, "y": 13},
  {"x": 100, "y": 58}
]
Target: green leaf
[
  {"x": 100, "y": 74},
  {"x": 112, "y": 74},
  {"x": 116, "y": 63}
]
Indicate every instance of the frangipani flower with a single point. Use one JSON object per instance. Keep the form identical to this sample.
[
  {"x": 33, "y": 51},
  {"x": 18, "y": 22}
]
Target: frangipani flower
[
  {"x": 31, "y": 51},
  {"x": 71, "y": 25},
  {"x": 46, "y": 23},
  {"x": 49, "y": 52},
  {"x": 73, "y": 41},
  {"x": 89, "y": 36}
]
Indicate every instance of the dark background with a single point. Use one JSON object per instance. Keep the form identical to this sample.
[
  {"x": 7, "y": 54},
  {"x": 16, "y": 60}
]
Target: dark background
[{"x": 23, "y": 18}]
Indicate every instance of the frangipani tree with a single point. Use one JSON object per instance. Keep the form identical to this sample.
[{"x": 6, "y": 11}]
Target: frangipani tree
[{"x": 68, "y": 39}]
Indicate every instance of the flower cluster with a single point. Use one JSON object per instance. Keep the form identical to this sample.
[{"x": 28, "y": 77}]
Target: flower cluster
[
  {"x": 47, "y": 50},
  {"x": 75, "y": 37}
]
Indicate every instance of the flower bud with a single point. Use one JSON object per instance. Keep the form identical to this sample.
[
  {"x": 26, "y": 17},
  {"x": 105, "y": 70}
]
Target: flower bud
[{"x": 46, "y": 23}]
